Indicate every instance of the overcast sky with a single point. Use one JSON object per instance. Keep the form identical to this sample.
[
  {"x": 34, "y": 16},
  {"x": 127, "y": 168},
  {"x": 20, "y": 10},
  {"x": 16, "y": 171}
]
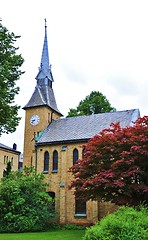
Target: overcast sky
[{"x": 99, "y": 45}]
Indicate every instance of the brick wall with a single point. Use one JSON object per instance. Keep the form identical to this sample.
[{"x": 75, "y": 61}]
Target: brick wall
[{"x": 5, "y": 156}]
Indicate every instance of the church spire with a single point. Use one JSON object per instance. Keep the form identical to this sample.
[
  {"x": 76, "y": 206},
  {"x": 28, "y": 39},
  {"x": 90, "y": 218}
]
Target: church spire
[
  {"x": 45, "y": 67},
  {"x": 43, "y": 94}
]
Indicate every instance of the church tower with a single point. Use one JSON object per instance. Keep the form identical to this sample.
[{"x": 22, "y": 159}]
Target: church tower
[{"x": 41, "y": 108}]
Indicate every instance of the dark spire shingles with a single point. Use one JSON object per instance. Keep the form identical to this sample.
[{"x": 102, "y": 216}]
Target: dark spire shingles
[{"x": 43, "y": 93}]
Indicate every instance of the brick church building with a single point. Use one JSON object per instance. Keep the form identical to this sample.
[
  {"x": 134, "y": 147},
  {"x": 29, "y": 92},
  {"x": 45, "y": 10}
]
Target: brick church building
[{"x": 53, "y": 144}]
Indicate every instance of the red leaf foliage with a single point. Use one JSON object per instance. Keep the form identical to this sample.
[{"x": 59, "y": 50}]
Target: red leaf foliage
[{"x": 115, "y": 165}]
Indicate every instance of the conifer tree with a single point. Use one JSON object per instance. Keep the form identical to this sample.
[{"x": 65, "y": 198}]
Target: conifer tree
[{"x": 7, "y": 171}]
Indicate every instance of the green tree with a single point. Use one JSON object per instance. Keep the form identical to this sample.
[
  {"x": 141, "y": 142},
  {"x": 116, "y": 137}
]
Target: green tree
[
  {"x": 24, "y": 203},
  {"x": 7, "y": 171},
  {"x": 96, "y": 102},
  {"x": 10, "y": 72}
]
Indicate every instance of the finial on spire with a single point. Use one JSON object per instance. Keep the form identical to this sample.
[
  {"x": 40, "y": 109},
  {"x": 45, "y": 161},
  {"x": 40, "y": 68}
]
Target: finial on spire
[{"x": 45, "y": 22}]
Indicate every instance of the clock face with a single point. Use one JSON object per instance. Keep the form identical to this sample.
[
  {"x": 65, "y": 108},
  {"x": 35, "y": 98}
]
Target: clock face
[{"x": 34, "y": 120}]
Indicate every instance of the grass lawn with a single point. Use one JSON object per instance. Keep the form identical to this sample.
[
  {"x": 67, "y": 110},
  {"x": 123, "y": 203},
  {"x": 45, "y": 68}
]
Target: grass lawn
[{"x": 53, "y": 235}]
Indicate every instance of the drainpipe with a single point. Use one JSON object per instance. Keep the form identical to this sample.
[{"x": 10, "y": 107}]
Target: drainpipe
[{"x": 36, "y": 157}]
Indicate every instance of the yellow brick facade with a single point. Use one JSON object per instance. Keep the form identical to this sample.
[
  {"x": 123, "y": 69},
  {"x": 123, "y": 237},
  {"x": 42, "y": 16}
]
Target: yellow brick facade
[
  {"x": 7, "y": 155},
  {"x": 59, "y": 183},
  {"x": 31, "y": 131}
]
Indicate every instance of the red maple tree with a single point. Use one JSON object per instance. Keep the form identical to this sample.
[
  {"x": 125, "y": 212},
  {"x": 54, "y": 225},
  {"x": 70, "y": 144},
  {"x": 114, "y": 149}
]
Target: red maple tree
[{"x": 115, "y": 165}]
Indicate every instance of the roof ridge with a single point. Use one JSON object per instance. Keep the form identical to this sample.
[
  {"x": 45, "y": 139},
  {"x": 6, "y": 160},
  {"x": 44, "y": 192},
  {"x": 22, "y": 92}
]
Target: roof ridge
[{"x": 95, "y": 114}]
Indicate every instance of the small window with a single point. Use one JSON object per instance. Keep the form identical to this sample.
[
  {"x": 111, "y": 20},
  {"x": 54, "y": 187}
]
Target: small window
[
  {"x": 55, "y": 161},
  {"x": 75, "y": 156},
  {"x": 31, "y": 161},
  {"x": 46, "y": 162},
  {"x": 4, "y": 159},
  {"x": 80, "y": 207}
]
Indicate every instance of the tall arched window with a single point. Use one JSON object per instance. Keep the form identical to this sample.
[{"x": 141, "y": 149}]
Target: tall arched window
[
  {"x": 46, "y": 162},
  {"x": 55, "y": 161},
  {"x": 75, "y": 156}
]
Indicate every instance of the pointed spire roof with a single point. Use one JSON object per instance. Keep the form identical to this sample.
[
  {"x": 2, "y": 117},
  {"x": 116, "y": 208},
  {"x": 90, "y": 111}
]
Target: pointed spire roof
[
  {"x": 45, "y": 67},
  {"x": 43, "y": 94}
]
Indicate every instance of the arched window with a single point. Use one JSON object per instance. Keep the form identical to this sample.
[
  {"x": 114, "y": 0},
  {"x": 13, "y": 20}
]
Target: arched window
[
  {"x": 55, "y": 161},
  {"x": 46, "y": 162},
  {"x": 75, "y": 156}
]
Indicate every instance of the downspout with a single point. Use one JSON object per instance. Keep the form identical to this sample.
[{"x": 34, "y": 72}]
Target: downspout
[{"x": 36, "y": 156}]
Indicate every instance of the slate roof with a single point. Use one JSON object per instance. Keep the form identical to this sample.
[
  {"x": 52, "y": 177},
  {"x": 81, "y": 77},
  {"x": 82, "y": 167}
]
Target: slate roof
[
  {"x": 8, "y": 148},
  {"x": 82, "y": 128},
  {"x": 43, "y": 95}
]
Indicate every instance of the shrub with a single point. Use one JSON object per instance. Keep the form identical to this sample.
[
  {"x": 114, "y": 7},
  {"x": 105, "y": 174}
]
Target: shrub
[
  {"x": 73, "y": 227},
  {"x": 126, "y": 223},
  {"x": 24, "y": 204}
]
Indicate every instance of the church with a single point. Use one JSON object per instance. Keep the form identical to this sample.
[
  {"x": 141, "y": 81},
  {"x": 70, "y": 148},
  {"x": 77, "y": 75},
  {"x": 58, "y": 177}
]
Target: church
[{"x": 53, "y": 144}]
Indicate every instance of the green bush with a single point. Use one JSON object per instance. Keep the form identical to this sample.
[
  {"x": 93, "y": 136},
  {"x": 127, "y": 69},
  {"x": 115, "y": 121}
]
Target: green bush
[
  {"x": 73, "y": 227},
  {"x": 24, "y": 204},
  {"x": 126, "y": 223}
]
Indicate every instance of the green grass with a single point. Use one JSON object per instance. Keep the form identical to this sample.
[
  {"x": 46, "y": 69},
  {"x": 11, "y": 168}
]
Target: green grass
[{"x": 53, "y": 235}]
